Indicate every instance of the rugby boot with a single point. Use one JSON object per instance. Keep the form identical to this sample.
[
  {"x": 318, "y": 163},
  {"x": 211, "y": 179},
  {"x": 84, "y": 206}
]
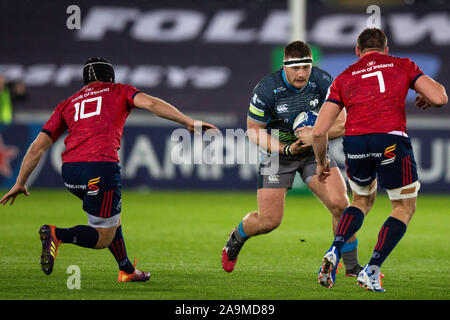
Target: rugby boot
[
  {"x": 230, "y": 252},
  {"x": 50, "y": 246},
  {"x": 354, "y": 272},
  {"x": 136, "y": 276},
  {"x": 370, "y": 278},
  {"x": 327, "y": 272}
]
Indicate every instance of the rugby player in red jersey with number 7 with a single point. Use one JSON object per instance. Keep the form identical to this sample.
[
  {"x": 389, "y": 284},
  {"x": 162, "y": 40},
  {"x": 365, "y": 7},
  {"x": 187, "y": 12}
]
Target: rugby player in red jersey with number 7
[
  {"x": 94, "y": 118},
  {"x": 376, "y": 146}
]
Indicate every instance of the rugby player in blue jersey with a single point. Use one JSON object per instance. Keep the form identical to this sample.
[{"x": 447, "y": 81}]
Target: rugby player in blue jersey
[{"x": 277, "y": 100}]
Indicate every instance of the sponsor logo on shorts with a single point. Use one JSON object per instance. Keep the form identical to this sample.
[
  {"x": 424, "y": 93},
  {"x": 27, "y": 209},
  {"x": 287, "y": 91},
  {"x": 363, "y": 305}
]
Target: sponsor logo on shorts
[
  {"x": 274, "y": 178},
  {"x": 364, "y": 155},
  {"x": 93, "y": 187},
  {"x": 389, "y": 154},
  {"x": 75, "y": 186}
]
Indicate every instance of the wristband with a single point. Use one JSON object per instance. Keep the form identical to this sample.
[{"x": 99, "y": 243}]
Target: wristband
[{"x": 286, "y": 150}]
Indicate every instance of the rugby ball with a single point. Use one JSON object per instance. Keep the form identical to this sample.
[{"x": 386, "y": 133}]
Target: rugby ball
[{"x": 305, "y": 119}]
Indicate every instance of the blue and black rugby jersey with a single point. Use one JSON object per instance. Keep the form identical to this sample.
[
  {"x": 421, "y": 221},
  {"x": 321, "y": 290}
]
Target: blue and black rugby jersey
[{"x": 276, "y": 103}]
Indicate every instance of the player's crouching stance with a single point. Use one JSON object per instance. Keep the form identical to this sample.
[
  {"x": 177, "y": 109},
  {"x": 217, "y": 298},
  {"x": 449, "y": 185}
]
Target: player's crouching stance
[
  {"x": 94, "y": 118},
  {"x": 376, "y": 146}
]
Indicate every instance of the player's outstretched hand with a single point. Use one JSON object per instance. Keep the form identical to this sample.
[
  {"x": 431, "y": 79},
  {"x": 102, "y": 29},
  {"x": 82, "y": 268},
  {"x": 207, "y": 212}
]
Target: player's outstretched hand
[
  {"x": 323, "y": 170},
  {"x": 198, "y": 126},
  {"x": 13, "y": 193}
]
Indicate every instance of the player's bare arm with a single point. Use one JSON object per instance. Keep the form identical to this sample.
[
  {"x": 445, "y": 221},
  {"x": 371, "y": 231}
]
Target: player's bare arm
[
  {"x": 167, "y": 111},
  {"x": 337, "y": 130},
  {"x": 29, "y": 163},
  {"x": 327, "y": 117},
  {"x": 257, "y": 134},
  {"x": 430, "y": 93}
]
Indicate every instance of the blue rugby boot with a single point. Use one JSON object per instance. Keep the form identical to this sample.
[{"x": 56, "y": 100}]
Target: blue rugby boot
[
  {"x": 327, "y": 272},
  {"x": 370, "y": 278}
]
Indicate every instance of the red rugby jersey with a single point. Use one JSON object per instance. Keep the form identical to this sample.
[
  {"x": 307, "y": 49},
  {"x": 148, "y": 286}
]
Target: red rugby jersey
[
  {"x": 373, "y": 90},
  {"x": 94, "y": 118}
]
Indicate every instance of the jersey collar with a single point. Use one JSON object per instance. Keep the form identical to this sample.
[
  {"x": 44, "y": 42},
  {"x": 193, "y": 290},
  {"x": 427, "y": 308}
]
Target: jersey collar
[{"x": 370, "y": 54}]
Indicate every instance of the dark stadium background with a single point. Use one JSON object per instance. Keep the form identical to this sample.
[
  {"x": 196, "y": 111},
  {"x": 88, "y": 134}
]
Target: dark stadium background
[{"x": 204, "y": 57}]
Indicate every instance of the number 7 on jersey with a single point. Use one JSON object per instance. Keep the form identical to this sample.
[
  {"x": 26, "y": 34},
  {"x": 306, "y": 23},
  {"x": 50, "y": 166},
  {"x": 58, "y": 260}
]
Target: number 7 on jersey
[{"x": 379, "y": 76}]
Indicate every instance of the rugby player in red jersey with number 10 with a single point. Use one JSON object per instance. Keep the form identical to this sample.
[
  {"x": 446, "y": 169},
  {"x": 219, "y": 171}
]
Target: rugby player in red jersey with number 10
[
  {"x": 94, "y": 118},
  {"x": 376, "y": 146}
]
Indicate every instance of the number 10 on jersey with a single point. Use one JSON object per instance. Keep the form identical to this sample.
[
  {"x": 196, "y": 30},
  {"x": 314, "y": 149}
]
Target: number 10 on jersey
[{"x": 79, "y": 108}]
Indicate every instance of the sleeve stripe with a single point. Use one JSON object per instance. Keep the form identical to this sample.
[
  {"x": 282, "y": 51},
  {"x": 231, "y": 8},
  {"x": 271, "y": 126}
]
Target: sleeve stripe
[
  {"x": 134, "y": 95},
  {"x": 256, "y": 111},
  {"x": 336, "y": 102},
  {"x": 47, "y": 132},
  {"x": 415, "y": 78}
]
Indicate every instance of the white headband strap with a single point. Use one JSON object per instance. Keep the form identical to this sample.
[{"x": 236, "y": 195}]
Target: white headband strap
[{"x": 294, "y": 62}]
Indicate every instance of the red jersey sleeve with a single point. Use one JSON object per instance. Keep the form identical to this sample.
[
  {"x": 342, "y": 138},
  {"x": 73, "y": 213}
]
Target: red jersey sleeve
[
  {"x": 334, "y": 93},
  {"x": 130, "y": 92},
  {"x": 414, "y": 73},
  {"x": 55, "y": 126}
]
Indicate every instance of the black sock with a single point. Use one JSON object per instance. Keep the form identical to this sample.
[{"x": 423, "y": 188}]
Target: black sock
[
  {"x": 390, "y": 234},
  {"x": 83, "y": 236},
  {"x": 349, "y": 223},
  {"x": 119, "y": 251}
]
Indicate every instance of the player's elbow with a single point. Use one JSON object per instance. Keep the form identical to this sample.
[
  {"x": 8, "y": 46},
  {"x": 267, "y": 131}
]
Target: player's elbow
[
  {"x": 438, "y": 100},
  {"x": 441, "y": 99},
  {"x": 433, "y": 91}
]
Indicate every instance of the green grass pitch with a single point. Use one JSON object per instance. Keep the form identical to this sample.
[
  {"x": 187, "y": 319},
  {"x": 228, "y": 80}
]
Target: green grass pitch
[{"x": 178, "y": 237}]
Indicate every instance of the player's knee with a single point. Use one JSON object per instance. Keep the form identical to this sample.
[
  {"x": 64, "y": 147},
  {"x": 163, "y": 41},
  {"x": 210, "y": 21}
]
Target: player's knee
[
  {"x": 413, "y": 209},
  {"x": 410, "y": 208},
  {"x": 269, "y": 224},
  {"x": 103, "y": 243},
  {"x": 364, "y": 203},
  {"x": 338, "y": 206},
  {"x": 105, "y": 237},
  {"x": 407, "y": 207},
  {"x": 370, "y": 201}
]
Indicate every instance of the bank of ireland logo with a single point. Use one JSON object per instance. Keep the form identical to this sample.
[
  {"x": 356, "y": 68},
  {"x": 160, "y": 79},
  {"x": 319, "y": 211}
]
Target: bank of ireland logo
[
  {"x": 93, "y": 187},
  {"x": 389, "y": 154}
]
